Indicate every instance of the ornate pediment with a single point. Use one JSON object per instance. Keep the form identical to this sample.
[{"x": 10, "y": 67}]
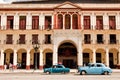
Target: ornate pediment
[{"x": 67, "y": 5}]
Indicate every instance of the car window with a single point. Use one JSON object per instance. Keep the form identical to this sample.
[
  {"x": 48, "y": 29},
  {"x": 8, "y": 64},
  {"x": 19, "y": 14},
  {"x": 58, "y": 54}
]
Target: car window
[
  {"x": 92, "y": 65},
  {"x": 54, "y": 66},
  {"x": 99, "y": 65},
  {"x": 59, "y": 66}
]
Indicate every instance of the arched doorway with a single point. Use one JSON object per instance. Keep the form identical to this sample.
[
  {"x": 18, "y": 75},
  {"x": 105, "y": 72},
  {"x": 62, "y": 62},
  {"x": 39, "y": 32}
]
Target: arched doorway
[
  {"x": 113, "y": 57},
  {"x": 8, "y": 57},
  {"x": 87, "y": 58},
  {"x": 48, "y": 59},
  {"x": 67, "y": 55},
  {"x": 21, "y": 60},
  {"x": 34, "y": 59},
  {"x": 100, "y": 55}
]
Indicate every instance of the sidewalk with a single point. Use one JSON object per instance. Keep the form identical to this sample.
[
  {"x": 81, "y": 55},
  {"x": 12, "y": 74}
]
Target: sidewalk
[{"x": 40, "y": 71}]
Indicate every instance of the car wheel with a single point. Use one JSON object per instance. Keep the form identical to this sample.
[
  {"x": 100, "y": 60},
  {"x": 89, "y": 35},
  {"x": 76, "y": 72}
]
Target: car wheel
[
  {"x": 47, "y": 72},
  {"x": 83, "y": 73},
  {"x": 106, "y": 73}
]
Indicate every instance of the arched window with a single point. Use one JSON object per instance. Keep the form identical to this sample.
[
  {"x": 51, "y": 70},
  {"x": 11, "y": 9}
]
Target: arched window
[
  {"x": 60, "y": 21},
  {"x": 67, "y": 21},
  {"x": 75, "y": 21}
]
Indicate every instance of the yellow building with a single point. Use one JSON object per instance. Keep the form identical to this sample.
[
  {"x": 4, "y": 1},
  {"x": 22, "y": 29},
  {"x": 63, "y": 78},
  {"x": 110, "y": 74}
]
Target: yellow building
[{"x": 73, "y": 33}]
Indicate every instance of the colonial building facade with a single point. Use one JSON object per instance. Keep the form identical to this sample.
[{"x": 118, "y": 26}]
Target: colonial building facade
[{"x": 70, "y": 33}]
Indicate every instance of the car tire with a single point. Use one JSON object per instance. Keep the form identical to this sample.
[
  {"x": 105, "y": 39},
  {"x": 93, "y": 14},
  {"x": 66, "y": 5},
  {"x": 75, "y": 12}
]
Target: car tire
[
  {"x": 82, "y": 73},
  {"x": 47, "y": 72},
  {"x": 106, "y": 73}
]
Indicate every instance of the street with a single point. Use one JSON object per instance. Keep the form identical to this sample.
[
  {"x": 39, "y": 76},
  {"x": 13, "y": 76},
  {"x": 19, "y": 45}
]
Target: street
[{"x": 70, "y": 76}]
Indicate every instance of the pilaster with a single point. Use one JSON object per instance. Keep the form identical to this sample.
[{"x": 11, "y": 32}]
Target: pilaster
[
  {"x": 94, "y": 56},
  {"x": 15, "y": 59},
  {"x": 41, "y": 60},
  {"x": 28, "y": 60},
  {"x": 107, "y": 57},
  {"x": 2, "y": 60}
]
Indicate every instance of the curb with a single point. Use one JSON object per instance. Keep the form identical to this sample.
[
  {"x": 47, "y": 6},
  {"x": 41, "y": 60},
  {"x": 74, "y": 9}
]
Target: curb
[{"x": 41, "y": 71}]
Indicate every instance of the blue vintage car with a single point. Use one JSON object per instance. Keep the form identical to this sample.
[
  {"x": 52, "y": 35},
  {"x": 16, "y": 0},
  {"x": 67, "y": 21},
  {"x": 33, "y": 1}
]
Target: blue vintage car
[
  {"x": 57, "y": 69},
  {"x": 94, "y": 68}
]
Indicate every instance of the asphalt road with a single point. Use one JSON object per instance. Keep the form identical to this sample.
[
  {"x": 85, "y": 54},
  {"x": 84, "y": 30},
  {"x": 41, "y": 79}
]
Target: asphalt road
[{"x": 70, "y": 76}]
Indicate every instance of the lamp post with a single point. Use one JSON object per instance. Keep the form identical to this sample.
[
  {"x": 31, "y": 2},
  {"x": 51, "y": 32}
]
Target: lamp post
[{"x": 36, "y": 46}]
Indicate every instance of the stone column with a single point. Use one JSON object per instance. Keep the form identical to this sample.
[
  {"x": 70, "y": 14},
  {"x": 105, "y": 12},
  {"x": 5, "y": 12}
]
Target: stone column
[
  {"x": 63, "y": 22},
  {"x": 15, "y": 59},
  {"x": 3, "y": 21},
  {"x": 41, "y": 60},
  {"x": 42, "y": 21},
  {"x": 2, "y": 60},
  {"x": 16, "y": 21},
  {"x": 29, "y": 21},
  {"x": 55, "y": 55},
  {"x": 52, "y": 27},
  {"x": 107, "y": 57},
  {"x": 117, "y": 21},
  {"x": 118, "y": 65},
  {"x": 93, "y": 21},
  {"x": 28, "y": 60},
  {"x": 82, "y": 19},
  {"x": 94, "y": 56},
  {"x": 105, "y": 21},
  {"x": 80, "y": 53},
  {"x": 71, "y": 27},
  {"x": 80, "y": 57}
]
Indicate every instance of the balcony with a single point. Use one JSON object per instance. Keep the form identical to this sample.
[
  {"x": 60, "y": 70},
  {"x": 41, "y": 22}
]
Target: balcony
[
  {"x": 113, "y": 41},
  {"x": 47, "y": 41},
  {"x": 100, "y": 41},
  {"x": 8, "y": 41},
  {"x": 87, "y": 41},
  {"x": 21, "y": 41}
]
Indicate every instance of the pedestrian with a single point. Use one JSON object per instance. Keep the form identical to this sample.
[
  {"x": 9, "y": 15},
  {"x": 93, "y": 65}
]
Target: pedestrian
[{"x": 10, "y": 67}]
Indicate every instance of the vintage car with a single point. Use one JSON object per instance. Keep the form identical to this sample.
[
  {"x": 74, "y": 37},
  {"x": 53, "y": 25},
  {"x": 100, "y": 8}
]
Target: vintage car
[
  {"x": 94, "y": 68},
  {"x": 59, "y": 68}
]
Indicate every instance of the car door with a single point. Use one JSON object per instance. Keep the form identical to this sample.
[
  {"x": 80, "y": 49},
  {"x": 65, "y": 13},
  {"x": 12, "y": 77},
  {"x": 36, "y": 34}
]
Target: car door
[
  {"x": 60, "y": 68},
  {"x": 91, "y": 69},
  {"x": 54, "y": 69},
  {"x": 98, "y": 69}
]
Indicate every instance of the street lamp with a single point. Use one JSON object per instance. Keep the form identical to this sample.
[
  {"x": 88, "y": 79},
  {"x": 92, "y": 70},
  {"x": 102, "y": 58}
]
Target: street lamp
[{"x": 36, "y": 46}]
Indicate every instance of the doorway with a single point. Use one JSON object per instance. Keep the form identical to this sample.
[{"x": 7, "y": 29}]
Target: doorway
[
  {"x": 37, "y": 59},
  {"x": 67, "y": 55},
  {"x": 23, "y": 63},
  {"x": 49, "y": 60}
]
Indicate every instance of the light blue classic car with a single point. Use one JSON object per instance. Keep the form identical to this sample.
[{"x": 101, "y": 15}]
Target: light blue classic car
[
  {"x": 94, "y": 68},
  {"x": 57, "y": 69}
]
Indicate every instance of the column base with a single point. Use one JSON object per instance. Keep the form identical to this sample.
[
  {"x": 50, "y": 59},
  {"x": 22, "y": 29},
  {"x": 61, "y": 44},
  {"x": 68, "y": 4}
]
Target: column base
[
  {"x": 14, "y": 67},
  {"x": 118, "y": 66},
  {"x": 28, "y": 67},
  {"x": 40, "y": 67},
  {"x": 1, "y": 67}
]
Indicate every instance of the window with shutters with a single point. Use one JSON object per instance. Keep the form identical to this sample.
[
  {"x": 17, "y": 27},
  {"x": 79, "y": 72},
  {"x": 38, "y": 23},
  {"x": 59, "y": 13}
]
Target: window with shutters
[
  {"x": 87, "y": 38},
  {"x": 9, "y": 39},
  {"x": 48, "y": 22},
  {"x": 48, "y": 39},
  {"x": 86, "y": 22},
  {"x": 10, "y": 22},
  {"x": 35, "y": 22},
  {"x": 99, "y": 22},
  {"x": 112, "y": 22},
  {"x": 35, "y": 38},
  {"x": 22, "y": 23},
  {"x": 100, "y": 38},
  {"x": 21, "y": 39}
]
